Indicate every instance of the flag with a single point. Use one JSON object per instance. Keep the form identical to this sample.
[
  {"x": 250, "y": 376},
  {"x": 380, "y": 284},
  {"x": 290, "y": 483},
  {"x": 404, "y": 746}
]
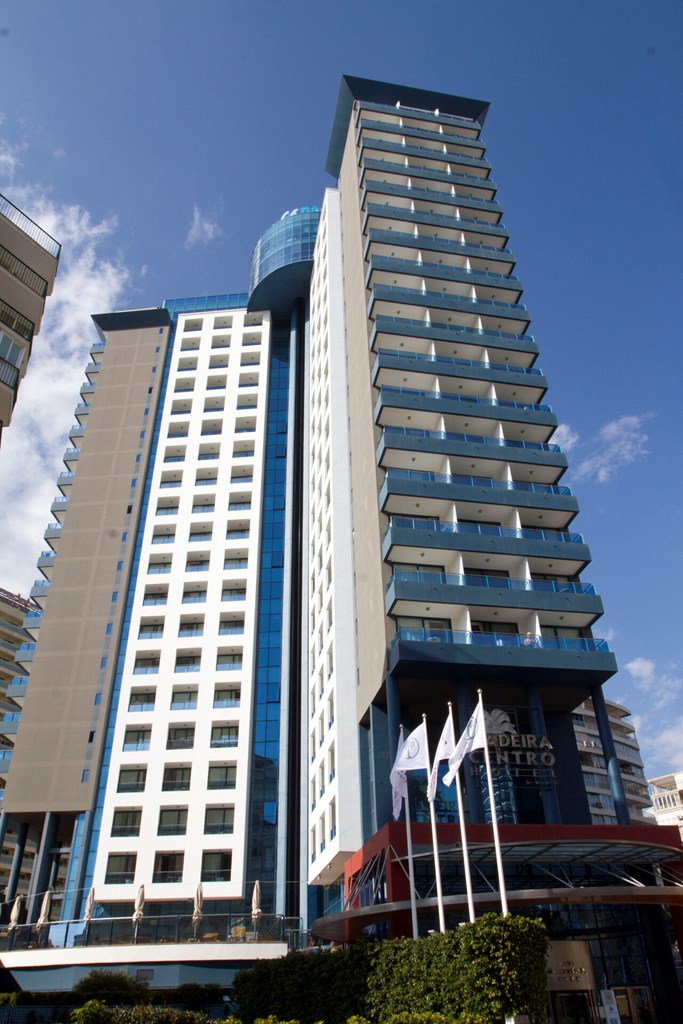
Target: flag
[
  {"x": 473, "y": 738},
  {"x": 411, "y": 755},
  {"x": 444, "y": 750}
]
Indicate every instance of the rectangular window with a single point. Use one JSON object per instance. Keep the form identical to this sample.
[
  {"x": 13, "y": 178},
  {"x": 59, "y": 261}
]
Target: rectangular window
[
  {"x": 132, "y": 780},
  {"x": 146, "y": 666},
  {"x": 180, "y": 737},
  {"x": 183, "y": 700},
  {"x": 229, "y": 662},
  {"x": 172, "y": 821},
  {"x": 120, "y": 869},
  {"x": 222, "y": 776},
  {"x": 219, "y": 821},
  {"x": 126, "y": 823},
  {"x": 168, "y": 867},
  {"x": 216, "y": 866},
  {"x": 137, "y": 739},
  {"x": 176, "y": 779},
  {"x": 188, "y": 663},
  {"x": 226, "y": 697},
  {"x": 142, "y": 700},
  {"x": 224, "y": 736}
]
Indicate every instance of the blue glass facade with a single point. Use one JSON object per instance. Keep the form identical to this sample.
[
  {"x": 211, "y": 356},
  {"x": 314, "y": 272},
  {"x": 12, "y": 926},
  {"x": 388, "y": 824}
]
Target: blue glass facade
[{"x": 290, "y": 240}]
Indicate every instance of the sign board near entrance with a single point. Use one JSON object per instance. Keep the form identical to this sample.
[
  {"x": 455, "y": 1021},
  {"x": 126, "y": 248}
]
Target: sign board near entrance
[{"x": 569, "y": 967}]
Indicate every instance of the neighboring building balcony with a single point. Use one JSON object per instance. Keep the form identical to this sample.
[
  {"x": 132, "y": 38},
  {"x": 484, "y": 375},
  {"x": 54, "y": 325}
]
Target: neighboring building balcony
[
  {"x": 39, "y": 590},
  {"x": 486, "y": 412},
  {"x": 513, "y": 383},
  {"x": 450, "y": 252},
  {"x": 397, "y": 173},
  {"x": 408, "y": 591},
  {"x": 391, "y": 300},
  {"x": 495, "y": 658},
  {"x": 16, "y": 321},
  {"x": 16, "y": 689},
  {"x": 9, "y": 376},
  {"x": 471, "y": 342},
  {"x": 412, "y": 272},
  {"x": 404, "y": 535},
  {"x": 442, "y": 225},
  {"x": 488, "y": 455},
  {"x": 9, "y": 723},
  {"x": 453, "y": 144},
  {"x": 25, "y": 653},
  {"x": 59, "y": 507},
  {"x": 77, "y": 431},
  {"x": 91, "y": 369},
  {"x": 470, "y": 169},
  {"x": 46, "y": 561},
  {"x": 71, "y": 455},
  {"x": 82, "y": 409}
]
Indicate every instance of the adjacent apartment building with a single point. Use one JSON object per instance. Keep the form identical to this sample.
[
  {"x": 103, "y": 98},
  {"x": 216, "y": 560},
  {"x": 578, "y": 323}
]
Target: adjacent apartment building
[
  {"x": 293, "y": 519},
  {"x": 28, "y": 265}
]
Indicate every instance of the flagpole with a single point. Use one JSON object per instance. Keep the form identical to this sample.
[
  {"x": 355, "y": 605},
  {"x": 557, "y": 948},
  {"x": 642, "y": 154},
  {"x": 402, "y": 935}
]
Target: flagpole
[
  {"x": 409, "y": 843},
  {"x": 435, "y": 845},
  {"x": 463, "y": 834},
  {"x": 494, "y": 816}
]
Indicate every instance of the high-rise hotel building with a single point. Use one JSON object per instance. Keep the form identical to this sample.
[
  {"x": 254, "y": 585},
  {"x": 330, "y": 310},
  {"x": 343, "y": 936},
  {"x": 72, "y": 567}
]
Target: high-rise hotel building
[{"x": 296, "y": 518}]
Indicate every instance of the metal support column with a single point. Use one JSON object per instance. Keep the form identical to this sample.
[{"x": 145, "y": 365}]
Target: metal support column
[
  {"x": 42, "y": 866},
  {"x": 551, "y": 805},
  {"x": 17, "y": 859},
  {"x": 609, "y": 753}
]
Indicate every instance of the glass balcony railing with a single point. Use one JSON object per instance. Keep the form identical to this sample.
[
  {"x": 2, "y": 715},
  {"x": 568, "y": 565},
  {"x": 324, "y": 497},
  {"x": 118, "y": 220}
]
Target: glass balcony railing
[
  {"x": 546, "y": 643},
  {"x": 426, "y": 296},
  {"x": 483, "y": 530},
  {"x": 447, "y": 435},
  {"x": 428, "y": 357},
  {"x": 472, "y": 399},
  {"x": 415, "y": 267},
  {"x": 407, "y": 325},
  {"x": 453, "y": 579},
  {"x": 477, "y": 481}
]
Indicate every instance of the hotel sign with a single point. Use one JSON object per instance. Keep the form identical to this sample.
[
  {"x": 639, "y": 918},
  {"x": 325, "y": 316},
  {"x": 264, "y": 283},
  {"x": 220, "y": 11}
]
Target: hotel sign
[{"x": 570, "y": 967}]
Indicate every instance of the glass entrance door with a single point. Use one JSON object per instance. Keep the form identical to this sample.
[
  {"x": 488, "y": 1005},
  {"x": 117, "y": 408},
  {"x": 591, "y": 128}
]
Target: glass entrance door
[{"x": 573, "y": 1008}]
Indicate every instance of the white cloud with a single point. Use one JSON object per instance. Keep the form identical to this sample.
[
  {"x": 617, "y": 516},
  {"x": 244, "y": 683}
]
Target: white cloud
[
  {"x": 566, "y": 437},
  {"x": 9, "y": 160},
  {"x": 662, "y": 687},
  {"x": 617, "y": 444},
  {"x": 202, "y": 229},
  {"x": 88, "y": 281}
]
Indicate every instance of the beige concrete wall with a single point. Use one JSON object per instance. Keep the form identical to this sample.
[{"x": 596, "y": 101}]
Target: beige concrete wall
[
  {"x": 368, "y": 524},
  {"x": 52, "y": 746}
]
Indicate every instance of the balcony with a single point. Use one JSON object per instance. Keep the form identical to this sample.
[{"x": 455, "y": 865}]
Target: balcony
[
  {"x": 404, "y": 535},
  {"x": 504, "y": 659},
  {"x": 386, "y": 327},
  {"x": 523, "y": 385},
  {"x": 442, "y": 225},
  {"x": 434, "y": 156},
  {"x": 452, "y": 252},
  {"x": 467, "y": 185},
  {"x": 432, "y": 200},
  {"x": 455, "y": 143},
  {"x": 409, "y": 591},
  {"x": 393, "y": 300},
  {"x": 488, "y": 456}
]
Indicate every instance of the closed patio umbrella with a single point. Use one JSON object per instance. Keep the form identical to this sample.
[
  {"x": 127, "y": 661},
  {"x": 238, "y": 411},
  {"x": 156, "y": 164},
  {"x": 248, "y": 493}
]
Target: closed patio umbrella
[
  {"x": 256, "y": 906},
  {"x": 197, "y": 912},
  {"x": 137, "y": 912},
  {"x": 45, "y": 908},
  {"x": 16, "y": 912},
  {"x": 89, "y": 905}
]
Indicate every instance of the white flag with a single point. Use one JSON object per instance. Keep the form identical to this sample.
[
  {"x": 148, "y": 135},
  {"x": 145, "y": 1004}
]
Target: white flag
[
  {"x": 473, "y": 738},
  {"x": 444, "y": 750},
  {"x": 411, "y": 755}
]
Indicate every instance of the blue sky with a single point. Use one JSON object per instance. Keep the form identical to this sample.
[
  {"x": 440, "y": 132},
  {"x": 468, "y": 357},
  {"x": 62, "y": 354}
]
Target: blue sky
[{"x": 157, "y": 139}]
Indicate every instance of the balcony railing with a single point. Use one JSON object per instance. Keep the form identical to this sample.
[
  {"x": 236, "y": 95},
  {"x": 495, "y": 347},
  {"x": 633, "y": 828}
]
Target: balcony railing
[
  {"x": 454, "y": 579},
  {"x": 120, "y": 931},
  {"x": 546, "y": 643},
  {"x": 479, "y": 335},
  {"x": 465, "y": 399},
  {"x": 427, "y": 357},
  {"x": 484, "y": 530},
  {"x": 446, "y": 435},
  {"x": 476, "y": 481},
  {"x": 29, "y": 227},
  {"x": 13, "y": 319}
]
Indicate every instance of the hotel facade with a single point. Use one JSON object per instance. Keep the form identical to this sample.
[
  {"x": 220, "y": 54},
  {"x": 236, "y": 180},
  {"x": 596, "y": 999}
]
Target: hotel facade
[{"x": 293, "y": 520}]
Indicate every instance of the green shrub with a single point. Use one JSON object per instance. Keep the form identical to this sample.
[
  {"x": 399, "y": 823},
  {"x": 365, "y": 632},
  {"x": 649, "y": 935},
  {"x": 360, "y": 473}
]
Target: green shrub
[
  {"x": 93, "y": 1012},
  {"x": 156, "y": 1015},
  {"x": 111, "y": 987}
]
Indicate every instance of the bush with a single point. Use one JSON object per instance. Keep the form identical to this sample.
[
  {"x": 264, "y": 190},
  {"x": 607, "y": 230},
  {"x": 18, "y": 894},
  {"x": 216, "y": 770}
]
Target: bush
[
  {"x": 156, "y": 1015},
  {"x": 111, "y": 987},
  {"x": 93, "y": 1012}
]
